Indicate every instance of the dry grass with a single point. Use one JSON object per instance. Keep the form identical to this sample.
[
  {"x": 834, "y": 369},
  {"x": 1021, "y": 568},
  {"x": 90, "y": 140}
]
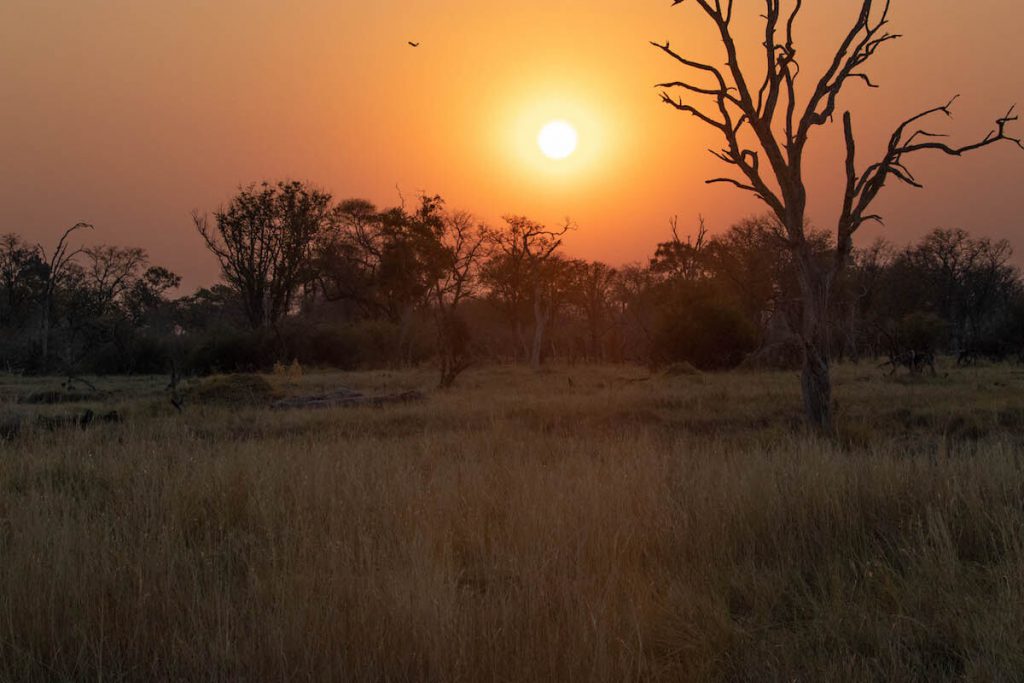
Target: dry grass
[{"x": 522, "y": 528}]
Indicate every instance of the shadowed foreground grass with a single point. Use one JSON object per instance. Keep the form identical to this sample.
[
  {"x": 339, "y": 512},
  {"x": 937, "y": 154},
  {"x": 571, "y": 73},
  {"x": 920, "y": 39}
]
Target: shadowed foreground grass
[{"x": 522, "y": 528}]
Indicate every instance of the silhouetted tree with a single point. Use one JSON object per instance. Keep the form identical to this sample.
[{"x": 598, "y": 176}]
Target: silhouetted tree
[
  {"x": 373, "y": 262},
  {"x": 349, "y": 258},
  {"x": 148, "y": 293},
  {"x": 524, "y": 275},
  {"x": 591, "y": 292},
  {"x": 264, "y": 243},
  {"x": 679, "y": 260},
  {"x": 453, "y": 251},
  {"x": 965, "y": 281},
  {"x": 23, "y": 274},
  {"x": 636, "y": 302},
  {"x": 766, "y": 130},
  {"x": 860, "y": 295},
  {"x": 57, "y": 267},
  {"x": 110, "y": 272}
]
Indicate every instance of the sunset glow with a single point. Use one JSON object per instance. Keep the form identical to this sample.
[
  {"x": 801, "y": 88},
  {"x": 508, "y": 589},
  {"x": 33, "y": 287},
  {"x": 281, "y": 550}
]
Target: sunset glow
[
  {"x": 558, "y": 140},
  {"x": 181, "y": 103}
]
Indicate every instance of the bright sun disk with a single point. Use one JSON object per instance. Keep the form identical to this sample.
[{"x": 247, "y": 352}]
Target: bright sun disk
[{"x": 557, "y": 139}]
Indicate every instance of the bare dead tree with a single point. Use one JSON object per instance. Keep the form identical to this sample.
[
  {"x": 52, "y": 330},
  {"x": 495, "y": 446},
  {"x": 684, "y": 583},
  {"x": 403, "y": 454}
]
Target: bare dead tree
[
  {"x": 766, "y": 129},
  {"x": 702, "y": 233},
  {"x": 56, "y": 266}
]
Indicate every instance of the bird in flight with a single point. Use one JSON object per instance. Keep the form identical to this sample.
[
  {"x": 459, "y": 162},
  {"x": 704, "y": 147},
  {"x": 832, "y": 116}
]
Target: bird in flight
[{"x": 414, "y": 44}]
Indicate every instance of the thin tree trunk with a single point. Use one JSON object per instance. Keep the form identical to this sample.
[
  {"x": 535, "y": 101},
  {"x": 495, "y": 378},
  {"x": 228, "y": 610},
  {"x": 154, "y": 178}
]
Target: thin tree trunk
[
  {"x": 522, "y": 350},
  {"x": 405, "y": 326},
  {"x": 853, "y": 334},
  {"x": 446, "y": 349},
  {"x": 46, "y": 334},
  {"x": 816, "y": 376},
  {"x": 540, "y": 321}
]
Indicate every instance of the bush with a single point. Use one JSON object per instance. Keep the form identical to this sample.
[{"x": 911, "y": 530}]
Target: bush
[
  {"x": 369, "y": 344},
  {"x": 19, "y": 352},
  {"x": 923, "y": 331},
  {"x": 379, "y": 343},
  {"x": 228, "y": 350},
  {"x": 141, "y": 354},
  {"x": 786, "y": 354},
  {"x": 709, "y": 334},
  {"x": 331, "y": 346}
]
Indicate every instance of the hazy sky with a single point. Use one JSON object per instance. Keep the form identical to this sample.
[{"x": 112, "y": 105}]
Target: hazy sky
[{"x": 131, "y": 113}]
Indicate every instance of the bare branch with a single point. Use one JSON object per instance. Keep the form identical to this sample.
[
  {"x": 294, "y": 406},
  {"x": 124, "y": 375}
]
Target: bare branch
[
  {"x": 744, "y": 114},
  {"x": 860, "y": 45},
  {"x": 667, "y": 49},
  {"x": 61, "y": 255},
  {"x": 691, "y": 88},
  {"x": 862, "y": 191},
  {"x": 731, "y": 181},
  {"x": 680, "y": 106}
]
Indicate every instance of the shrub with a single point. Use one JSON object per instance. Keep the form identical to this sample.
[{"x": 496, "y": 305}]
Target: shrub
[
  {"x": 367, "y": 344},
  {"x": 709, "y": 334},
  {"x": 228, "y": 350},
  {"x": 787, "y": 354},
  {"x": 923, "y": 331},
  {"x": 140, "y": 354},
  {"x": 324, "y": 345}
]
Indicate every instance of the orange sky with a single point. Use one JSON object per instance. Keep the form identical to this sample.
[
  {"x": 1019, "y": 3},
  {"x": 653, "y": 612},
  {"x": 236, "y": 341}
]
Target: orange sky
[{"x": 130, "y": 114}]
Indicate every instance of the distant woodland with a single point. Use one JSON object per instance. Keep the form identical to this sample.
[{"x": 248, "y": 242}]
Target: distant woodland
[{"x": 309, "y": 279}]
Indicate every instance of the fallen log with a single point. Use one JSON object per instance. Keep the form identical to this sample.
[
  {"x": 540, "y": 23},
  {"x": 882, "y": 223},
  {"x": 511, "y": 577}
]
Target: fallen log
[{"x": 343, "y": 398}]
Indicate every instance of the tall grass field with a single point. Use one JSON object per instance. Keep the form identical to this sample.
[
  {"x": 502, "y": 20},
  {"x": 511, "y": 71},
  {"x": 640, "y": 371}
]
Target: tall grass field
[{"x": 578, "y": 524}]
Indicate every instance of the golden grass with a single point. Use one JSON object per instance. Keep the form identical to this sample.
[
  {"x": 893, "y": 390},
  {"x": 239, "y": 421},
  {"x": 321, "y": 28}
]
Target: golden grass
[{"x": 519, "y": 528}]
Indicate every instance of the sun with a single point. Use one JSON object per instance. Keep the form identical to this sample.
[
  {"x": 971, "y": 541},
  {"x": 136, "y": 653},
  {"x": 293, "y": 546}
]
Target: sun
[{"x": 558, "y": 139}]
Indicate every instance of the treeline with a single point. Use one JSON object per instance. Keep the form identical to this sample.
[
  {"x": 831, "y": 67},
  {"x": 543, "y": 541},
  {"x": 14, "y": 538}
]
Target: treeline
[{"x": 348, "y": 284}]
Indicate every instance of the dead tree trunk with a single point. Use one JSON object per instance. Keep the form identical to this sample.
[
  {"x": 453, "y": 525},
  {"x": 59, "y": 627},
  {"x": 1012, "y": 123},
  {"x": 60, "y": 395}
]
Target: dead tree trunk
[
  {"x": 452, "y": 345},
  {"x": 44, "y": 333},
  {"x": 815, "y": 377},
  {"x": 56, "y": 265},
  {"x": 541, "y": 316},
  {"x": 766, "y": 129}
]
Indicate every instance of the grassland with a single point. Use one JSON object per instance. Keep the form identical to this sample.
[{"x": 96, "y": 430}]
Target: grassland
[{"x": 571, "y": 525}]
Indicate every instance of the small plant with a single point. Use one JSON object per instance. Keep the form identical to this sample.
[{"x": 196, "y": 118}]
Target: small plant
[{"x": 292, "y": 371}]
